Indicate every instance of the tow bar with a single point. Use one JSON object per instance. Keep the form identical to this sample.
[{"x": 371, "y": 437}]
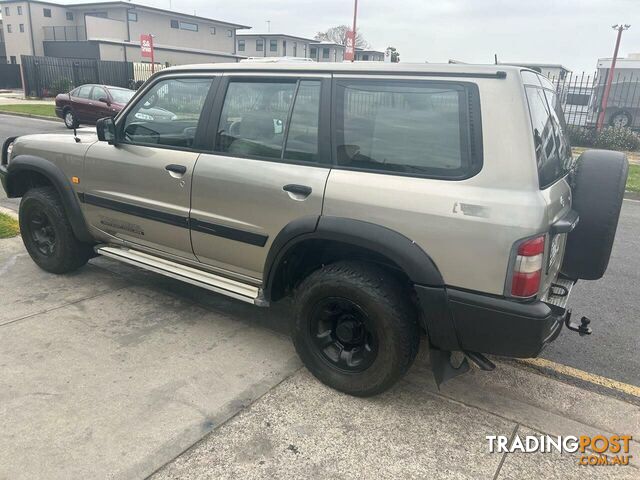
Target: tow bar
[{"x": 583, "y": 328}]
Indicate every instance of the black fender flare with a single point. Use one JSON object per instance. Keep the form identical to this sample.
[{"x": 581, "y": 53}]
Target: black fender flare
[
  {"x": 46, "y": 168},
  {"x": 405, "y": 253}
]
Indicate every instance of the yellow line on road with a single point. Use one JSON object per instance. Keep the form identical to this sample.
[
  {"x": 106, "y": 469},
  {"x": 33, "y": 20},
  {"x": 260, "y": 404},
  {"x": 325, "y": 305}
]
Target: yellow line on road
[{"x": 582, "y": 375}]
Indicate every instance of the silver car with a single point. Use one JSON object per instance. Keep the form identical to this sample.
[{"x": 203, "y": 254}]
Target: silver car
[{"x": 389, "y": 200}]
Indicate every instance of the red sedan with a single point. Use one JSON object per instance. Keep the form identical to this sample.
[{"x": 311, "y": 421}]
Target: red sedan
[{"x": 88, "y": 103}]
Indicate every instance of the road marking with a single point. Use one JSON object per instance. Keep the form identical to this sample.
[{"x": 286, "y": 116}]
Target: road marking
[
  {"x": 582, "y": 375},
  {"x": 631, "y": 200}
]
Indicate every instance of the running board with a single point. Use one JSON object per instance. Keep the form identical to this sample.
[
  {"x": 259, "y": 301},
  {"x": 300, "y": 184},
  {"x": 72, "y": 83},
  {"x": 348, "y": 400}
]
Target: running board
[{"x": 199, "y": 278}]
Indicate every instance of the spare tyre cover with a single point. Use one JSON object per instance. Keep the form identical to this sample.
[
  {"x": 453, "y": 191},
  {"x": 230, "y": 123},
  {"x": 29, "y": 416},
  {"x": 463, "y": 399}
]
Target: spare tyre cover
[{"x": 598, "y": 186}]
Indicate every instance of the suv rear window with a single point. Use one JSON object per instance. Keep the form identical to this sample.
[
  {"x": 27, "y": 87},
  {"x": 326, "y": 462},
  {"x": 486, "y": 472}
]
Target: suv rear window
[
  {"x": 553, "y": 152},
  {"x": 410, "y": 127}
]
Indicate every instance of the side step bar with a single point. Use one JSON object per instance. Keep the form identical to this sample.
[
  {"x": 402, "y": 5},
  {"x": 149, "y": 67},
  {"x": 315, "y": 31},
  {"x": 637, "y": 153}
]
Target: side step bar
[{"x": 199, "y": 278}]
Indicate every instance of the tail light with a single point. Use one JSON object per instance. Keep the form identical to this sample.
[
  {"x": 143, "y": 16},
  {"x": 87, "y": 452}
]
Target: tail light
[{"x": 527, "y": 268}]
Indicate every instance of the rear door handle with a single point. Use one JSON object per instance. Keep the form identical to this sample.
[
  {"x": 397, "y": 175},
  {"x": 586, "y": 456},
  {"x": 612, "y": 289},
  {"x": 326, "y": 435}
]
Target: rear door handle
[
  {"x": 172, "y": 167},
  {"x": 301, "y": 190}
]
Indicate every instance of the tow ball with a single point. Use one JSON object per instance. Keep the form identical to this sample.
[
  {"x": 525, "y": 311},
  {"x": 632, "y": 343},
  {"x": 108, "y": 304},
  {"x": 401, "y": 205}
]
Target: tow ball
[{"x": 582, "y": 328}]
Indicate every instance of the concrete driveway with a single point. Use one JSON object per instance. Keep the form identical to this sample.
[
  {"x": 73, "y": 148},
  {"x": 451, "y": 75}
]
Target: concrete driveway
[{"x": 113, "y": 372}]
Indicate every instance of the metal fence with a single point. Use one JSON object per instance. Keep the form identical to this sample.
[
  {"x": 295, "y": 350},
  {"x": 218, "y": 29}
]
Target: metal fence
[
  {"x": 581, "y": 96},
  {"x": 10, "y": 76},
  {"x": 48, "y": 76}
]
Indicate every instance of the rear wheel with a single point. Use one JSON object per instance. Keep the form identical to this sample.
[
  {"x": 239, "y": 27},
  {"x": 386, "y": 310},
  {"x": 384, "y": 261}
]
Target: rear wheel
[
  {"x": 47, "y": 233},
  {"x": 621, "y": 119},
  {"x": 70, "y": 119},
  {"x": 355, "y": 328}
]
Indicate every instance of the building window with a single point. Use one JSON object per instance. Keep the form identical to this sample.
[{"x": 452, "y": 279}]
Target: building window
[
  {"x": 7, "y": 12},
  {"x": 229, "y": 33},
  {"x": 365, "y": 57},
  {"x": 314, "y": 52},
  {"x": 212, "y": 30},
  {"x": 259, "y": 45},
  {"x": 132, "y": 16},
  {"x": 273, "y": 45},
  {"x": 46, "y": 12},
  {"x": 13, "y": 59},
  {"x": 241, "y": 45},
  {"x": 70, "y": 16},
  {"x": 21, "y": 27},
  {"x": 325, "y": 53},
  {"x": 19, "y": 10},
  {"x": 192, "y": 27},
  {"x": 9, "y": 29}
]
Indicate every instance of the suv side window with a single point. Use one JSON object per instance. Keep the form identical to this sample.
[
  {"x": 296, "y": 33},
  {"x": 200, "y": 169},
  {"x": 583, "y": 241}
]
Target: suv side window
[
  {"x": 417, "y": 128},
  {"x": 553, "y": 153},
  {"x": 270, "y": 119},
  {"x": 168, "y": 113}
]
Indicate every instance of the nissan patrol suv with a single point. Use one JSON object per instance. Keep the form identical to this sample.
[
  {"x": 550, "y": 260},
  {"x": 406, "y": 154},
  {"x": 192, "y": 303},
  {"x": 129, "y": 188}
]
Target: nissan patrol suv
[{"x": 388, "y": 200}]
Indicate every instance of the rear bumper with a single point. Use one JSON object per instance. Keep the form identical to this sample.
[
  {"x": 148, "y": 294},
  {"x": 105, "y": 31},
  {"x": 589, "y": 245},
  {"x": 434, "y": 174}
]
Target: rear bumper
[{"x": 492, "y": 325}]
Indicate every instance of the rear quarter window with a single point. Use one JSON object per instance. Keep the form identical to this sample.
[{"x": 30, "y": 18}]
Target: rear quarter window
[
  {"x": 553, "y": 152},
  {"x": 408, "y": 127}
]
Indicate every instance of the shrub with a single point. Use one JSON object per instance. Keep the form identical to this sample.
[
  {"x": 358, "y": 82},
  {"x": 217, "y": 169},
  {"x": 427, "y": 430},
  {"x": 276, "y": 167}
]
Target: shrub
[
  {"x": 580, "y": 136},
  {"x": 613, "y": 138},
  {"x": 61, "y": 85}
]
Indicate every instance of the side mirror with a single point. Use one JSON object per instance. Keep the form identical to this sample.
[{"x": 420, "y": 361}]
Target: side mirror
[
  {"x": 106, "y": 129},
  {"x": 104, "y": 100}
]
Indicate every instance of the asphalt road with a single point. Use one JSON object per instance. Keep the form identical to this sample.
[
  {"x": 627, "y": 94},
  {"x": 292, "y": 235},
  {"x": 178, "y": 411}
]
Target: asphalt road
[{"x": 611, "y": 303}]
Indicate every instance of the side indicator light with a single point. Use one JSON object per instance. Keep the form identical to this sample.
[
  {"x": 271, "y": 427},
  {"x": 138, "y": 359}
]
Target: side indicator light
[{"x": 75, "y": 180}]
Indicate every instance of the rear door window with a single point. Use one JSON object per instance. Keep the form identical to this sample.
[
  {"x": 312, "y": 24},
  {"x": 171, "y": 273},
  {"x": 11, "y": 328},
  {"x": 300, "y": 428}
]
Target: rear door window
[
  {"x": 553, "y": 152},
  {"x": 416, "y": 128},
  {"x": 84, "y": 91}
]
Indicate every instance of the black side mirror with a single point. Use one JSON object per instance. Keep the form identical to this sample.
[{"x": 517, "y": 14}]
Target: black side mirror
[
  {"x": 106, "y": 129},
  {"x": 104, "y": 100}
]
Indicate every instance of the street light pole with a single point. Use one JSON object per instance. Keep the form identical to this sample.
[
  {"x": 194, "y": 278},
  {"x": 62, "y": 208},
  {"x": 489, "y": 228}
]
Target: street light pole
[
  {"x": 355, "y": 16},
  {"x": 605, "y": 97}
]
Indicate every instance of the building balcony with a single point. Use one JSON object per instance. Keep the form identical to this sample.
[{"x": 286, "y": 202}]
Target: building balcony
[{"x": 65, "y": 33}]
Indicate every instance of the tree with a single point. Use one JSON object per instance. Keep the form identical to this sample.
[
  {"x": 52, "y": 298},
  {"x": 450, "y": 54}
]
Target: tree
[
  {"x": 395, "y": 55},
  {"x": 339, "y": 35}
]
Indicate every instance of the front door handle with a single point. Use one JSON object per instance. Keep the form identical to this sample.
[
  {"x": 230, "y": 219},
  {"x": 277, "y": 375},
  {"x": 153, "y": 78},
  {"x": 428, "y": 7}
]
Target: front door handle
[
  {"x": 299, "y": 190},
  {"x": 172, "y": 167}
]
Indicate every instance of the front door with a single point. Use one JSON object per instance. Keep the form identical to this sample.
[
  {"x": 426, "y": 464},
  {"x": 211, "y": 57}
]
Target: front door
[
  {"x": 269, "y": 167},
  {"x": 138, "y": 191}
]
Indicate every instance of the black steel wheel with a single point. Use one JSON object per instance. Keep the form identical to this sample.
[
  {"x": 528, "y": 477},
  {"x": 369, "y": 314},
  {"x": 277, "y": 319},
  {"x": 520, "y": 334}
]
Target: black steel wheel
[
  {"x": 343, "y": 334},
  {"x": 47, "y": 233},
  {"x": 355, "y": 327}
]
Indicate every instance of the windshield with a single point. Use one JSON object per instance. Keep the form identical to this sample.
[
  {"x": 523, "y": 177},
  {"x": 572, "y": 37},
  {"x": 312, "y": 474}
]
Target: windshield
[{"x": 121, "y": 95}]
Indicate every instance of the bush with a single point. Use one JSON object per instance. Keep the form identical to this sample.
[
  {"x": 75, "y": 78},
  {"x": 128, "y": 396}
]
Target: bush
[
  {"x": 580, "y": 136},
  {"x": 61, "y": 85},
  {"x": 612, "y": 138}
]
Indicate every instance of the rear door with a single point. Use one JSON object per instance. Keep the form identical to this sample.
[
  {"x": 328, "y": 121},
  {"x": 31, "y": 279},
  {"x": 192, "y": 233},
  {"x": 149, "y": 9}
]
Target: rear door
[
  {"x": 268, "y": 167},
  {"x": 99, "y": 109},
  {"x": 81, "y": 101}
]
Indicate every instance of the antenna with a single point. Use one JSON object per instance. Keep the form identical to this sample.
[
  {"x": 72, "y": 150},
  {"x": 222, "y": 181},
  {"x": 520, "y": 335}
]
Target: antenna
[
  {"x": 75, "y": 135},
  {"x": 268, "y": 26}
]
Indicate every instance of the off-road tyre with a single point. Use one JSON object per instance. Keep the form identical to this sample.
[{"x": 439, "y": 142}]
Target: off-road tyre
[{"x": 390, "y": 316}]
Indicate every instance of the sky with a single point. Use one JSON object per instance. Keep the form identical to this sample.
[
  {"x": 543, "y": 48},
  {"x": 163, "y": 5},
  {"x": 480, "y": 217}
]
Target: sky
[{"x": 574, "y": 33}]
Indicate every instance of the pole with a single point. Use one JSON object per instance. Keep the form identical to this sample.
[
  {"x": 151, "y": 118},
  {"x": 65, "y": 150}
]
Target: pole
[
  {"x": 607, "y": 88},
  {"x": 153, "y": 63},
  {"x": 355, "y": 16}
]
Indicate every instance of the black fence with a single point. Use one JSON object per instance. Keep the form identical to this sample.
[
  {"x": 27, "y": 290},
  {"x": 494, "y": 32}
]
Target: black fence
[
  {"x": 581, "y": 96},
  {"x": 10, "y": 76},
  {"x": 48, "y": 76}
]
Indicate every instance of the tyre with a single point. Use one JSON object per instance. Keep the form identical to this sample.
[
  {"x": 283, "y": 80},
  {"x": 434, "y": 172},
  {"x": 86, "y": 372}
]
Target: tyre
[
  {"x": 70, "y": 119},
  {"x": 47, "y": 234},
  {"x": 621, "y": 119},
  {"x": 355, "y": 328},
  {"x": 598, "y": 190}
]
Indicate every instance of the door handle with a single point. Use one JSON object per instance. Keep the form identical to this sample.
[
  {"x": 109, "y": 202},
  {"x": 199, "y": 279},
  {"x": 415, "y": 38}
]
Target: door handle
[
  {"x": 172, "y": 167},
  {"x": 301, "y": 190}
]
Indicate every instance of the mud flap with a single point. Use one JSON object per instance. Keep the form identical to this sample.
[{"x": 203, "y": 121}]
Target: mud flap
[{"x": 442, "y": 367}]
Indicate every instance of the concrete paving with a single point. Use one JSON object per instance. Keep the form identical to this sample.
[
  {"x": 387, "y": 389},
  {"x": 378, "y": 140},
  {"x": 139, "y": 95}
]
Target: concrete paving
[{"x": 102, "y": 376}]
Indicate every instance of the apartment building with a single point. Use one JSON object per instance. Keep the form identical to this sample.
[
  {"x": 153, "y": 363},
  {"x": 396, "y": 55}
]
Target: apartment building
[
  {"x": 254, "y": 44},
  {"x": 111, "y": 31}
]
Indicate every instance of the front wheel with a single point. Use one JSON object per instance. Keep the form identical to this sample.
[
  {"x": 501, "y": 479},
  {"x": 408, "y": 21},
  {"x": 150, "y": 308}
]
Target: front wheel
[
  {"x": 70, "y": 119},
  {"x": 47, "y": 233},
  {"x": 355, "y": 328},
  {"x": 621, "y": 119}
]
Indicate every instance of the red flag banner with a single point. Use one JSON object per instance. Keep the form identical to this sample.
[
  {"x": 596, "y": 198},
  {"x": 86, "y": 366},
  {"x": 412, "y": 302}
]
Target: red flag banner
[{"x": 350, "y": 49}]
